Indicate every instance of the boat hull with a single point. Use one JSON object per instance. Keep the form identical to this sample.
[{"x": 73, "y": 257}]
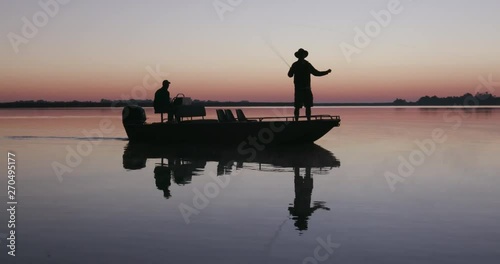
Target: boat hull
[{"x": 205, "y": 131}]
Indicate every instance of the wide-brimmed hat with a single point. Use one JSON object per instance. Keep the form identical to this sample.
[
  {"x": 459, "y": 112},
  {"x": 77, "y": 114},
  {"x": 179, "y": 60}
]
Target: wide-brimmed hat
[{"x": 301, "y": 54}]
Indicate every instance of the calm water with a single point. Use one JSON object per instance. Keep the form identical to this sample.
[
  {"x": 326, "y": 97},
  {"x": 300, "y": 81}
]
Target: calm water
[{"x": 341, "y": 201}]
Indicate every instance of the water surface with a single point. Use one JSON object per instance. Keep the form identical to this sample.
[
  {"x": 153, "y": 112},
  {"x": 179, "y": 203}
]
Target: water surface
[{"x": 125, "y": 204}]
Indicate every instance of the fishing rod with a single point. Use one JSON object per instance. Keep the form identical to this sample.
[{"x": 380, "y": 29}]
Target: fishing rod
[{"x": 275, "y": 51}]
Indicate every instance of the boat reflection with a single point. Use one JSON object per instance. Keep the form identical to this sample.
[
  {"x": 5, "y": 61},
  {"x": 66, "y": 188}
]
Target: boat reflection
[{"x": 179, "y": 164}]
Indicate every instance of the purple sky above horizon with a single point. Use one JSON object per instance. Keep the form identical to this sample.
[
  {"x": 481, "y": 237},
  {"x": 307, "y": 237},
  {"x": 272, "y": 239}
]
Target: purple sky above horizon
[{"x": 95, "y": 49}]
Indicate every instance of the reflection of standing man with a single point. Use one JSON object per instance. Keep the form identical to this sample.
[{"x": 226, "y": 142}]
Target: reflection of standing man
[
  {"x": 302, "y": 209},
  {"x": 301, "y": 70}
]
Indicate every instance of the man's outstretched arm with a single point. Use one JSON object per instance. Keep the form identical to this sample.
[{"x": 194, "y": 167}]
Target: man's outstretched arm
[{"x": 319, "y": 73}]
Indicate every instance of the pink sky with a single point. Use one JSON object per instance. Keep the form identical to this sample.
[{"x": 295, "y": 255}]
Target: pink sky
[{"x": 88, "y": 52}]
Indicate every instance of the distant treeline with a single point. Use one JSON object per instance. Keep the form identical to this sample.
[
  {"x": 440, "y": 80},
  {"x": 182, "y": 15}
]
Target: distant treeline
[
  {"x": 467, "y": 99},
  {"x": 149, "y": 103},
  {"x": 484, "y": 99},
  {"x": 102, "y": 103}
]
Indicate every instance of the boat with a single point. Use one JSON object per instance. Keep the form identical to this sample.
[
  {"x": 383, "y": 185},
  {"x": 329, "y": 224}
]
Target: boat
[{"x": 192, "y": 127}]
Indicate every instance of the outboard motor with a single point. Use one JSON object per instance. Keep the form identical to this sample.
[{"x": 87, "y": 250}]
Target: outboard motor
[{"x": 133, "y": 115}]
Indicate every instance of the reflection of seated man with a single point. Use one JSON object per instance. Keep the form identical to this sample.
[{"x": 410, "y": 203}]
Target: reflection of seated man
[
  {"x": 302, "y": 209},
  {"x": 162, "y": 102},
  {"x": 162, "y": 180}
]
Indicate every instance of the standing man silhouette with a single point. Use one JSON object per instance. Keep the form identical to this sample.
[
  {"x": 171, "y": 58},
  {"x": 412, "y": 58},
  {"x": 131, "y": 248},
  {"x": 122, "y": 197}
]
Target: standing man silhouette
[{"x": 301, "y": 70}]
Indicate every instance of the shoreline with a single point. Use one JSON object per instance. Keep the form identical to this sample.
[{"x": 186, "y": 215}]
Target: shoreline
[{"x": 275, "y": 105}]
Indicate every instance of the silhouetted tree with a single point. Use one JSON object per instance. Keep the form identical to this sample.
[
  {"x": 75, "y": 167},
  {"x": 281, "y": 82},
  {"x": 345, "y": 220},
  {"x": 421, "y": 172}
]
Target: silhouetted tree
[{"x": 399, "y": 101}]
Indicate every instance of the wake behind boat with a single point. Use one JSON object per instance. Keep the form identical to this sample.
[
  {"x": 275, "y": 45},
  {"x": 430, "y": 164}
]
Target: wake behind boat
[{"x": 192, "y": 127}]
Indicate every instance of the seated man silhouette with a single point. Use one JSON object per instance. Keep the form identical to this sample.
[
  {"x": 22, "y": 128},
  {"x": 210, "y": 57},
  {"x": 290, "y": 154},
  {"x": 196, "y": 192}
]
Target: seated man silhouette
[
  {"x": 301, "y": 70},
  {"x": 162, "y": 102}
]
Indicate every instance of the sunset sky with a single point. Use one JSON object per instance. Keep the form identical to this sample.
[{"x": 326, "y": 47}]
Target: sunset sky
[{"x": 90, "y": 49}]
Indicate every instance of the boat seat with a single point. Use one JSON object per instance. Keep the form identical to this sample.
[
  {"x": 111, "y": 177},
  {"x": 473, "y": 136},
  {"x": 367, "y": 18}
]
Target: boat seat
[
  {"x": 221, "y": 116},
  {"x": 191, "y": 111},
  {"x": 229, "y": 116},
  {"x": 241, "y": 116}
]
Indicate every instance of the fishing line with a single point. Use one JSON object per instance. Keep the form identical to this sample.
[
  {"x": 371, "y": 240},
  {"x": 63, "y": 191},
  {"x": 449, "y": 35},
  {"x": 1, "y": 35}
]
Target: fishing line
[{"x": 275, "y": 51}]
